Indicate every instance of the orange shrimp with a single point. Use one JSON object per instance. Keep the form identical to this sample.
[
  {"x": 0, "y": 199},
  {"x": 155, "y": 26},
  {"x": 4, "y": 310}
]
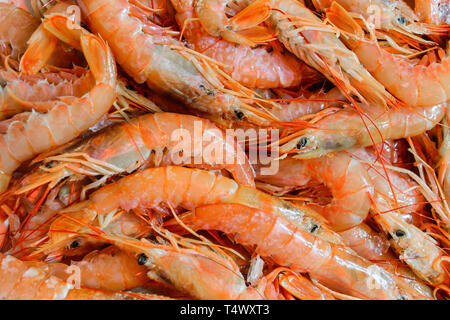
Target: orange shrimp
[
  {"x": 392, "y": 198},
  {"x": 412, "y": 83},
  {"x": 388, "y": 16},
  {"x": 374, "y": 246},
  {"x": 20, "y": 281},
  {"x": 28, "y": 134},
  {"x": 335, "y": 266},
  {"x": 253, "y": 67},
  {"x": 107, "y": 269},
  {"x": 175, "y": 186},
  {"x": 16, "y": 27},
  {"x": 345, "y": 177},
  {"x": 316, "y": 43},
  {"x": 194, "y": 269},
  {"x": 149, "y": 140},
  {"x": 149, "y": 55},
  {"x": 348, "y": 128},
  {"x": 64, "y": 232}
]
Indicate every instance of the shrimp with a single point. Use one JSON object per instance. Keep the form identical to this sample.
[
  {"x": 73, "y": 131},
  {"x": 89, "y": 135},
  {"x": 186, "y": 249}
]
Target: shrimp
[
  {"x": 145, "y": 141},
  {"x": 389, "y": 16},
  {"x": 433, "y": 11},
  {"x": 107, "y": 269},
  {"x": 417, "y": 249},
  {"x": 149, "y": 55},
  {"x": 16, "y": 27},
  {"x": 28, "y": 134},
  {"x": 21, "y": 281},
  {"x": 347, "y": 179},
  {"x": 40, "y": 211},
  {"x": 252, "y": 67},
  {"x": 21, "y": 91},
  {"x": 316, "y": 43},
  {"x": 415, "y": 84},
  {"x": 348, "y": 129},
  {"x": 374, "y": 246},
  {"x": 176, "y": 186},
  {"x": 333, "y": 265},
  {"x": 196, "y": 270}
]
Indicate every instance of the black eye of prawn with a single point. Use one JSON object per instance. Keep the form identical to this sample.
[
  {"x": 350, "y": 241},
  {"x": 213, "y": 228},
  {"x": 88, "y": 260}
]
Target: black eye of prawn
[
  {"x": 142, "y": 259},
  {"x": 239, "y": 114},
  {"x": 400, "y": 233},
  {"x": 302, "y": 143},
  {"x": 75, "y": 244},
  {"x": 314, "y": 228},
  {"x": 401, "y": 20}
]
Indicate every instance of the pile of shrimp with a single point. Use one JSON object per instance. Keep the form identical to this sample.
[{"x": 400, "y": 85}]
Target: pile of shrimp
[{"x": 115, "y": 116}]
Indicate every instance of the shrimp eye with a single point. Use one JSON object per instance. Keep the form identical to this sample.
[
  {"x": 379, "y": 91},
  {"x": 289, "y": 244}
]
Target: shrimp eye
[
  {"x": 49, "y": 165},
  {"x": 401, "y": 20},
  {"x": 129, "y": 87},
  {"x": 314, "y": 228},
  {"x": 400, "y": 233},
  {"x": 142, "y": 259},
  {"x": 239, "y": 114},
  {"x": 75, "y": 244},
  {"x": 302, "y": 143}
]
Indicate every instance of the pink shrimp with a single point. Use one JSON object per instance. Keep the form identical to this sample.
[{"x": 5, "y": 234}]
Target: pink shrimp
[
  {"x": 149, "y": 55},
  {"x": 21, "y": 281},
  {"x": 16, "y": 27},
  {"x": 348, "y": 129},
  {"x": 253, "y": 67},
  {"x": 374, "y": 246},
  {"x": 390, "y": 200},
  {"x": 413, "y": 83},
  {"x": 177, "y": 187},
  {"x": 107, "y": 269},
  {"x": 335, "y": 266},
  {"x": 145, "y": 141},
  {"x": 28, "y": 134}
]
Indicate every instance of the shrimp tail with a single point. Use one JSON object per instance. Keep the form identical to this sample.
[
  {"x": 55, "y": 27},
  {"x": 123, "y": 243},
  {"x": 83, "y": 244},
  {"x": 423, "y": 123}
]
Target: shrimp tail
[{"x": 244, "y": 25}]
